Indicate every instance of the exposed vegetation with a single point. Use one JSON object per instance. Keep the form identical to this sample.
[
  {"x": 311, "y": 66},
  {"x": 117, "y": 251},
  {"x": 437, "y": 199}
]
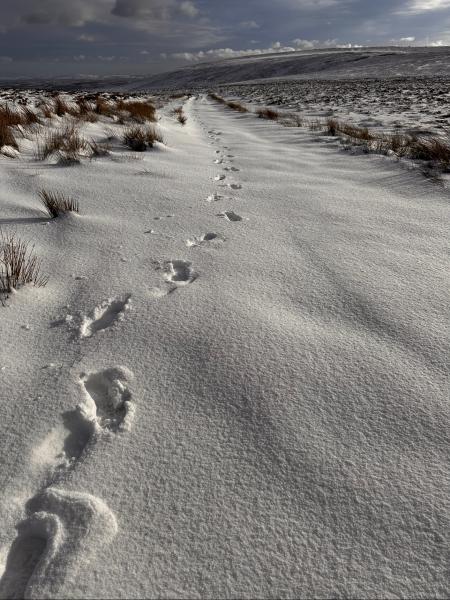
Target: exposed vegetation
[
  {"x": 268, "y": 113},
  {"x": 67, "y": 142},
  {"x": 139, "y": 138},
  {"x": 19, "y": 265},
  {"x": 56, "y": 203},
  {"x": 180, "y": 116}
]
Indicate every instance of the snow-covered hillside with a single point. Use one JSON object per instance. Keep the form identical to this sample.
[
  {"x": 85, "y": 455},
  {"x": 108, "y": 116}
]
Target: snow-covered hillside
[
  {"x": 313, "y": 64},
  {"x": 235, "y": 382}
]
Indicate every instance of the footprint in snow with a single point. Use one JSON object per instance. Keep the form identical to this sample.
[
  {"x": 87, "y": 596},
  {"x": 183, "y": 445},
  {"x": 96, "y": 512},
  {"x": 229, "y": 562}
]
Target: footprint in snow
[
  {"x": 231, "y": 169},
  {"x": 202, "y": 239},
  {"x": 107, "y": 403},
  {"x": 179, "y": 272},
  {"x": 235, "y": 186},
  {"x": 214, "y": 198},
  {"x": 218, "y": 161},
  {"x": 220, "y": 177},
  {"x": 62, "y": 532},
  {"x": 104, "y": 315},
  {"x": 230, "y": 215}
]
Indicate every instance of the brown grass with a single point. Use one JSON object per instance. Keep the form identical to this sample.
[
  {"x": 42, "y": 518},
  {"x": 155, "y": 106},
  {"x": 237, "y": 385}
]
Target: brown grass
[
  {"x": 47, "y": 110},
  {"x": 433, "y": 150},
  {"x": 102, "y": 107},
  {"x": 55, "y": 203},
  {"x": 268, "y": 113},
  {"x": 180, "y": 116},
  {"x": 66, "y": 142},
  {"x": 138, "y": 111},
  {"x": 7, "y": 137},
  {"x": 217, "y": 98},
  {"x": 60, "y": 107},
  {"x": 237, "y": 106},
  {"x": 10, "y": 118},
  {"x": 140, "y": 138},
  {"x": 18, "y": 264}
]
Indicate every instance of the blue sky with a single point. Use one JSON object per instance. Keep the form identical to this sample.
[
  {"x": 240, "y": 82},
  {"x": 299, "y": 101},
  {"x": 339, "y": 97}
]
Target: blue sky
[{"x": 106, "y": 37}]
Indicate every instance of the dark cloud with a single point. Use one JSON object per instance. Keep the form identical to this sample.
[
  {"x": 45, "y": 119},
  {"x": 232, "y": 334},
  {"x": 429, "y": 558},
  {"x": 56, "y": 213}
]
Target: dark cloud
[
  {"x": 154, "y": 9},
  {"x": 39, "y": 34}
]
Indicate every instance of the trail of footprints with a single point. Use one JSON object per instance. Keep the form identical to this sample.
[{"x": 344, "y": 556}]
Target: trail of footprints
[{"x": 64, "y": 529}]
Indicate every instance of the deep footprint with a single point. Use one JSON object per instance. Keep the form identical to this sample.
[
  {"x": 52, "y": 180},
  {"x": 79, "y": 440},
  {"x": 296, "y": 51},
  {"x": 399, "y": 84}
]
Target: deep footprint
[
  {"x": 62, "y": 532},
  {"x": 230, "y": 215},
  {"x": 202, "y": 239},
  {"x": 108, "y": 401},
  {"x": 179, "y": 272},
  {"x": 104, "y": 315},
  {"x": 214, "y": 198}
]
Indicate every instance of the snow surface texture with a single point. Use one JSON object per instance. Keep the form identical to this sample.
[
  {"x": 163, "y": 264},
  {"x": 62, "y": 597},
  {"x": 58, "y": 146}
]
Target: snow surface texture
[{"x": 287, "y": 327}]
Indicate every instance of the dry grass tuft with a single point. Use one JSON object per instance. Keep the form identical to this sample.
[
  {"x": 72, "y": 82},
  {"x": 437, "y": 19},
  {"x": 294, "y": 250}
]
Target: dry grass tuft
[
  {"x": 18, "y": 264},
  {"x": 67, "y": 143},
  {"x": 10, "y": 118},
  {"x": 217, "y": 98},
  {"x": 102, "y": 107},
  {"x": 292, "y": 120},
  {"x": 98, "y": 149},
  {"x": 60, "y": 107},
  {"x": 7, "y": 137},
  {"x": 57, "y": 204},
  {"x": 138, "y": 111},
  {"x": 140, "y": 138},
  {"x": 47, "y": 110},
  {"x": 180, "y": 116},
  {"x": 237, "y": 106},
  {"x": 268, "y": 113}
]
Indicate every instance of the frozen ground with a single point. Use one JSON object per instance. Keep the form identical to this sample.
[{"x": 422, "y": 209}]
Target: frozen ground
[{"x": 235, "y": 383}]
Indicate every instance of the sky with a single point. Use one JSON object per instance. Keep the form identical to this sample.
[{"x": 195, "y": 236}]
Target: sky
[{"x": 49, "y": 38}]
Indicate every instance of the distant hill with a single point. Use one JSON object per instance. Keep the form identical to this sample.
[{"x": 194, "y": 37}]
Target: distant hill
[{"x": 316, "y": 64}]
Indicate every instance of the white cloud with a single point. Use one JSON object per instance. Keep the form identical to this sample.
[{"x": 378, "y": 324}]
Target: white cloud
[
  {"x": 249, "y": 25},
  {"x": 415, "y": 7},
  {"x": 276, "y": 47},
  {"x": 84, "y": 37},
  {"x": 408, "y": 39},
  {"x": 189, "y": 9},
  {"x": 305, "y": 44}
]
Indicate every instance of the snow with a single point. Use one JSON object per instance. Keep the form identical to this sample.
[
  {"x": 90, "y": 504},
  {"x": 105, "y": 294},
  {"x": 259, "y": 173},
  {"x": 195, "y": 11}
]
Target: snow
[
  {"x": 230, "y": 387},
  {"x": 330, "y": 64}
]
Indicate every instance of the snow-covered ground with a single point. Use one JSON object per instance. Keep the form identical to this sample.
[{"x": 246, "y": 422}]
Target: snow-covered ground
[
  {"x": 407, "y": 105},
  {"x": 235, "y": 383}
]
